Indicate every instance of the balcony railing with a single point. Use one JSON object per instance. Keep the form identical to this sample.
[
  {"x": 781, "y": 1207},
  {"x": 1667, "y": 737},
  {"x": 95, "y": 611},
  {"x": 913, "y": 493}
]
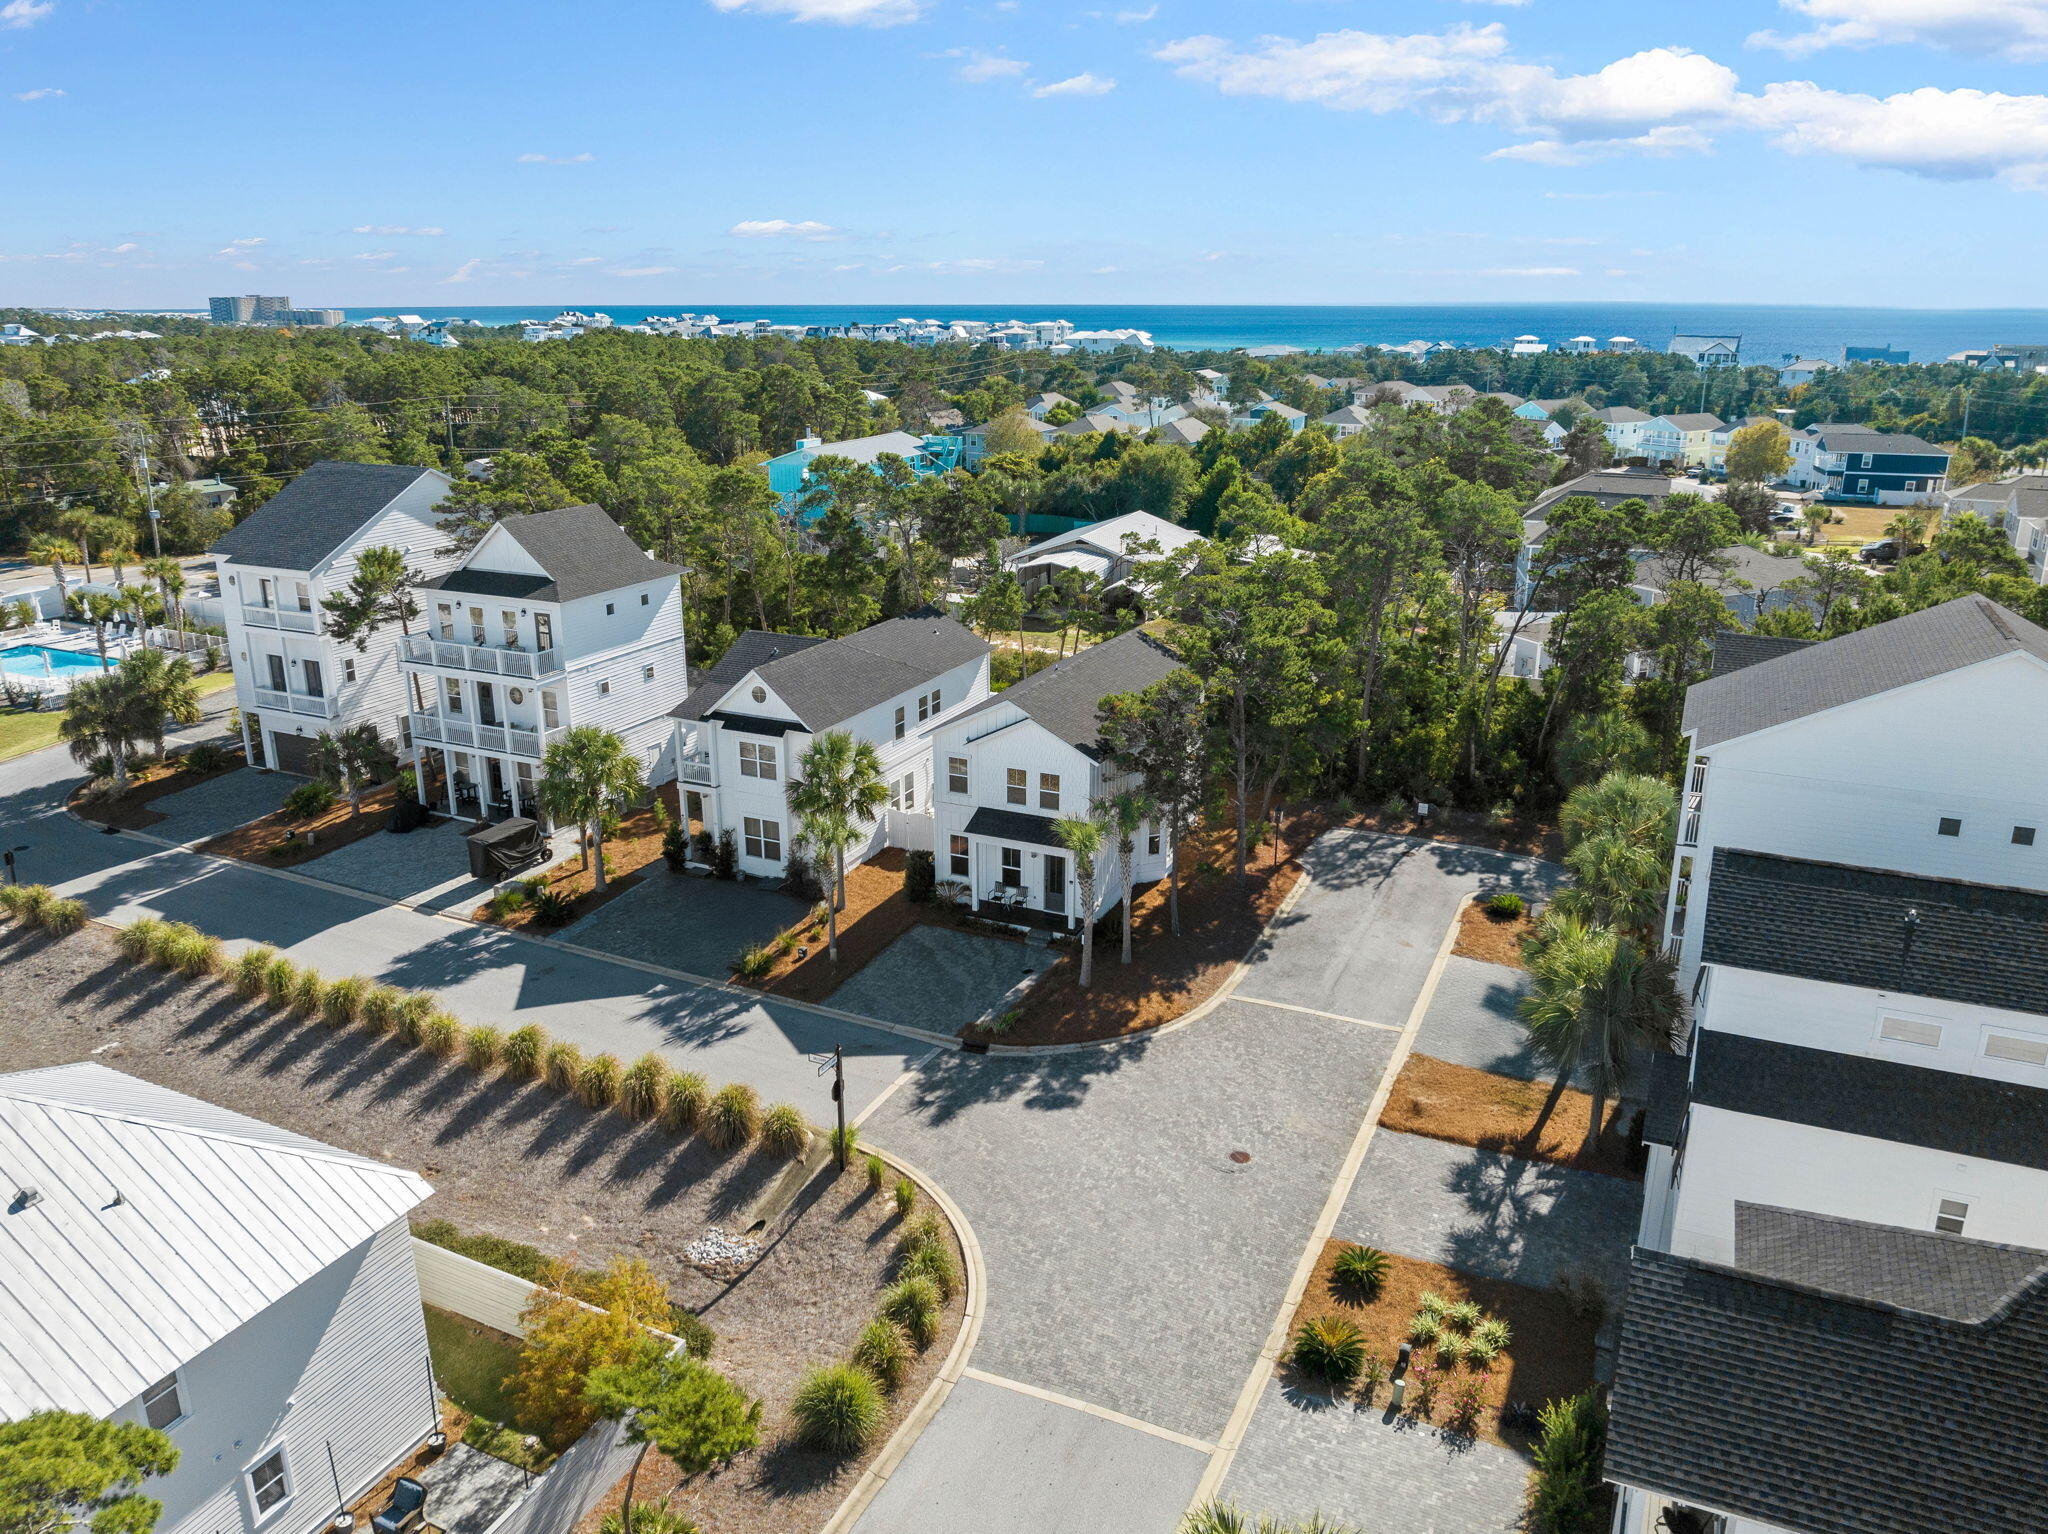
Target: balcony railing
[
  {"x": 498, "y": 739},
  {"x": 696, "y": 768},
  {"x": 492, "y": 660},
  {"x": 281, "y": 618},
  {"x": 294, "y": 703}
]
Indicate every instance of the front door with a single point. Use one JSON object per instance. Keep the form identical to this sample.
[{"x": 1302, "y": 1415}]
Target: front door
[
  {"x": 494, "y": 773},
  {"x": 487, "y": 702},
  {"x": 543, "y": 631},
  {"x": 314, "y": 687},
  {"x": 1055, "y": 882}
]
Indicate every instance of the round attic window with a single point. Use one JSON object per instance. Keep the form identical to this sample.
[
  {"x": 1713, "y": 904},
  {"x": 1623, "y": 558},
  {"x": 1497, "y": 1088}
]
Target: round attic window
[
  {"x": 518, "y": 695},
  {"x": 760, "y": 695}
]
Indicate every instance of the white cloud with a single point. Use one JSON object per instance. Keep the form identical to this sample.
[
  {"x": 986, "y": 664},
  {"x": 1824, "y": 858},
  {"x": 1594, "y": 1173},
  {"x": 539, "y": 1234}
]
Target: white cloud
[
  {"x": 2016, "y": 29},
  {"x": 585, "y": 261},
  {"x": 1139, "y": 18},
  {"x": 1077, "y": 85},
  {"x": 968, "y": 264},
  {"x": 25, "y": 13},
  {"x": 784, "y": 229},
  {"x": 1529, "y": 271},
  {"x": 641, "y": 271},
  {"x": 1659, "y": 102},
  {"x": 41, "y": 93},
  {"x": 557, "y": 159},
  {"x": 124, "y": 247},
  {"x": 397, "y": 229},
  {"x": 374, "y": 255},
  {"x": 464, "y": 272},
  {"x": 845, "y": 13},
  {"x": 978, "y": 68},
  {"x": 251, "y": 241},
  {"x": 1102, "y": 271}
]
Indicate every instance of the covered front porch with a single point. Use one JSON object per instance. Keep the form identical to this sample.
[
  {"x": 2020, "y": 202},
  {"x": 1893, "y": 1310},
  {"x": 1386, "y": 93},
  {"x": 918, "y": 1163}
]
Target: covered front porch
[
  {"x": 478, "y": 785},
  {"x": 1015, "y": 869}
]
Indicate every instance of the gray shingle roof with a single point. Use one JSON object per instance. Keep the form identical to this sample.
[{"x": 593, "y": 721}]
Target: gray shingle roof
[
  {"x": 1013, "y": 826},
  {"x": 584, "y": 552},
  {"x": 1065, "y": 697},
  {"x": 319, "y": 511},
  {"x": 1976, "y": 943},
  {"x": 1829, "y": 1413},
  {"x": 1670, "y": 1094},
  {"x": 1859, "y": 665},
  {"x": 1749, "y": 568},
  {"x": 1844, "y": 437},
  {"x": 1696, "y": 421},
  {"x": 827, "y": 683},
  {"x": 1927, "y": 1271},
  {"x": 2026, "y": 495},
  {"x": 756, "y": 647},
  {"x": 1610, "y": 487},
  {"x": 1734, "y": 650},
  {"x": 1878, "y": 1099}
]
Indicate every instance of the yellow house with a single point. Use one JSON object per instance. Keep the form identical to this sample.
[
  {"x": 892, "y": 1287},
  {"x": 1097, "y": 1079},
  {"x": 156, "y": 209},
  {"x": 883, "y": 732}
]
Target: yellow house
[{"x": 1704, "y": 440}]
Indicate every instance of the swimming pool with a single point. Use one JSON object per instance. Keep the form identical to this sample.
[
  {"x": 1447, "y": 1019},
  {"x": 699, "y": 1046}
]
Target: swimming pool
[{"x": 41, "y": 660}]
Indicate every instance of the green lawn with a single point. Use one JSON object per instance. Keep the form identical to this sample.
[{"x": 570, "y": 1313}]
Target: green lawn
[
  {"x": 22, "y": 732},
  {"x": 472, "y": 1363}
]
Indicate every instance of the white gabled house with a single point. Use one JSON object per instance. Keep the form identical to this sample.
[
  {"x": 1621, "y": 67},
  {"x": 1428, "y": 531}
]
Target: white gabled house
[
  {"x": 246, "y": 1290},
  {"x": 292, "y": 681},
  {"x": 741, "y": 734},
  {"x": 552, "y": 621},
  {"x": 1004, "y": 771},
  {"x": 1108, "y": 550}
]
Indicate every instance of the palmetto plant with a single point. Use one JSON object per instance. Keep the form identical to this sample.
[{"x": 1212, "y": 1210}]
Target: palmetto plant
[
  {"x": 352, "y": 760},
  {"x": 584, "y": 774},
  {"x": 838, "y": 792},
  {"x": 169, "y": 576},
  {"x": 56, "y": 553}
]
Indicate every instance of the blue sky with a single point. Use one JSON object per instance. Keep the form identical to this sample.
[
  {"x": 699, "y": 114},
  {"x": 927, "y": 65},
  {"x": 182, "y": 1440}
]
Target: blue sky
[{"x": 1019, "y": 151}]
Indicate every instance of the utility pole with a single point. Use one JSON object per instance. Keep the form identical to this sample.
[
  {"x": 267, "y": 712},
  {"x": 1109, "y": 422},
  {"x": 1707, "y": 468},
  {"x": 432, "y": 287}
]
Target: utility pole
[
  {"x": 148, "y": 485},
  {"x": 1966, "y": 410}
]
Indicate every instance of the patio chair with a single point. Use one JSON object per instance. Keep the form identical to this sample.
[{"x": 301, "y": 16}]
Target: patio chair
[{"x": 407, "y": 1512}]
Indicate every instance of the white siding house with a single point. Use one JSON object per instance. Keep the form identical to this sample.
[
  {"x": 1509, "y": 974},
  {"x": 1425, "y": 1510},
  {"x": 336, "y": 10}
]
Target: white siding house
[
  {"x": 742, "y": 732},
  {"x": 553, "y": 621},
  {"x": 1005, "y": 771},
  {"x": 1108, "y": 550},
  {"x": 292, "y": 680},
  {"x": 247, "y": 1290}
]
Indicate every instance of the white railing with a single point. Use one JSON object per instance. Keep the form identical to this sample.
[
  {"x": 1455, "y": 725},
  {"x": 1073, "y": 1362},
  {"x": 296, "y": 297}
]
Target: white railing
[
  {"x": 695, "y": 768},
  {"x": 425, "y": 650},
  {"x": 503, "y": 740},
  {"x": 294, "y": 703},
  {"x": 281, "y": 618},
  {"x": 259, "y": 617}
]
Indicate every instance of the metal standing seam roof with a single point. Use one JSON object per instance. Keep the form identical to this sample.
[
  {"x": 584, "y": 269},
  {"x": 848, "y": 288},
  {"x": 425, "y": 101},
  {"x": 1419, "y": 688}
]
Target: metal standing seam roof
[
  {"x": 316, "y": 513},
  {"x": 159, "y": 1225},
  {"x": 1870, "y": 661},
  {"x": 1066, "y": 697}
]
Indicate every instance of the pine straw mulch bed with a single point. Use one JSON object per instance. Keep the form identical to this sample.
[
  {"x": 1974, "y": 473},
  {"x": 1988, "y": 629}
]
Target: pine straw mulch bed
[
  {"x": 631, "y": 848},
  {"x": 1496, "y": 939},
  {"x": 1549, "y": 1355},
  {"x": 270, "y": 842},
  {"x": 514, "y": 1160},
  {"x": 130, "y": 811},
  {"x": 1472, "y": 828},
  {"x": 1472, "y": 1107},
  {"x": 877, "y": 913}
]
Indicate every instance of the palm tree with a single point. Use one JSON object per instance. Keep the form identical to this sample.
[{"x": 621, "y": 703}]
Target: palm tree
[
  {"x": 168, "y": 685},
  {"x": 1597, "y": 1000},
  {"x": 107, "y": 716},
  {"x": 139, "y": 603},
  {"x": 1642, "y": 809},
  {"x": 86, "y": 528},
  {"x": 837, "y": 793},
  {"x": 1126, "y": 814},
  {"x": 100, "y": 610},
  {"x": 169, "y": 576},
  {"x": 1590, "y": 747},
  {"x": 1619, "y": 835},
  {"x": 54, "y": 552},
  {"x": 352, "y": 760},
  {"x": 585, "y": 774},
  {"x": 1084, "y": 839}
]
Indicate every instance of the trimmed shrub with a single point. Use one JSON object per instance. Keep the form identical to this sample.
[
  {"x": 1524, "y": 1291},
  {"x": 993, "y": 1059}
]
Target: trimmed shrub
[
  {"x": 905, "y": 1195},
  {"x": 1328, "y": 1347},
  {"x": 597, "y": 1084},
  {"x": 644, "y": 1088},
  {"x": 882, "y": 1352},
  {"x": 61, "y": 917},
  {"x": 309, "y": 993},
  {"x": 725, "y": 856},
  {"x": 913, "y": 1304},
  {"x": 204, "y": 757},
  {"x": 441, "y": 1034},
  {"x": 309, "y": 800},
  {"x": 379, "y": 1010},
  {"x": 734, "y": 1116},
  {"x": 250, "y": 973},
  {"x": 1567, "y": 1497},
  {"x": 562, "y": 1065},
  {"x": 920, "y": 877},
  {"x": 1505, "y": 905},
  {"x": 784, "y": 1131},
  {"x": 409, "y": 1017},
  {"x": 877, "y": 1170},
  {"x": 1360, "y": 1269},
  {"x": 697, "y": 1337},
  {"x": 684, "y": 1097},
  {"x": 838, "y": 1407},
  {"x": 935, "y": 1263},
  {"x": 345, "y": 1000},
  {"x": 524, "y": 1049},
  {"x": 140, "y": 940},
  {"x": 482, "y": 1046}
]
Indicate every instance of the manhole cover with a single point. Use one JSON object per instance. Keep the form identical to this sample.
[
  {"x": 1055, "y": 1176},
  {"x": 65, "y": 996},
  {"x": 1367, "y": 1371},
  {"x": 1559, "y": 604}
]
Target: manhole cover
[{"x": 1241, "y": 1157}]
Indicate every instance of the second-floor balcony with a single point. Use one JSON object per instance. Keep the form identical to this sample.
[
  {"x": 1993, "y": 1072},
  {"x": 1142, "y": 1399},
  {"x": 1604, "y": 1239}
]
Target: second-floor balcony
[
  {"x": 695, "y": 767},
  {"x": 490, "y": 660},
  {"x": 291, "y": 618},
  {"x": 312, "y": 705},
  {"x": 439, "y": 728}
]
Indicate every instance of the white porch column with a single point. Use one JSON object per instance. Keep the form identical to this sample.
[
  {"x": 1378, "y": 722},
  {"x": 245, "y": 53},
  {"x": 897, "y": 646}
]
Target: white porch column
[
  {"x": 512, "y": 783},
  {"x": 448, "y": 779},
  {"x": 248, "y": 748}
]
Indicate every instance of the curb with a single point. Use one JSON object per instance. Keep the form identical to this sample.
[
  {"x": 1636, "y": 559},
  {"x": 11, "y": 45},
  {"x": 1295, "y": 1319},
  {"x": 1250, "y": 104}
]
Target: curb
[{"x": 907, "y": 1433}]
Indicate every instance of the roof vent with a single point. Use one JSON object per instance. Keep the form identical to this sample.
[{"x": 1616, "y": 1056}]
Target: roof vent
[{"x": 26, "y": 1198}]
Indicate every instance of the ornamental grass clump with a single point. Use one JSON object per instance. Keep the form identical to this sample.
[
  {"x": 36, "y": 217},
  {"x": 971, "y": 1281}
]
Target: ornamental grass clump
[
  {"x": 1361, "y": 1270},
  {"x": 482, "y": 1046},
  {"x": 309, "y": 993},
  {"x": 877, "y": 1171},
  {"x": 845, "y": 1141},
  {"x": 60, "y": 917},
  {"x": 1330, "y": 1348},
  {"x": 345, "y": 999},
  {"x": 409, "y": 1018},
  {"x": 935, "y": 1263},
  {"x": 684, "y": 1098},
  {"x": 379, "y": 1011},
  {"x": 784, "y": 1132},
  {"x": 838, "y": 1408},
  {"x": 190, "y": 951},
  {"x": 441, "y": 1034},
  {"x": 734, "y": 1116},
  {"x": 524, "y": 1049},
  {"x": 250, "y": 973},
  {"x": 597, "y": 1084},
  {"x": 16, "y": 898},
  {"x": 644, "y": 1088},
  {"x": 905, "y": 1196},
  {"x": 927, "y": 1231},
  {"x": 140, "y": 940},
  {"x": 280, "y": 977},
  {"x": 562, "y": 1065},
  {"x": 913, "y": 1304},
  {"x": 882, "y": 1352}
]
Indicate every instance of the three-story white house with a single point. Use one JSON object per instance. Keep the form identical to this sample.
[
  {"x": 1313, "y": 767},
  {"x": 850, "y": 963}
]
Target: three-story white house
[
  {"x": 292, "y": 680},
  {"x": 552, "y": 621},
  {"x": 247, "y": 1291},
  {"x": 1005, "y": 771},
  {"x": 742, "y": 732}
]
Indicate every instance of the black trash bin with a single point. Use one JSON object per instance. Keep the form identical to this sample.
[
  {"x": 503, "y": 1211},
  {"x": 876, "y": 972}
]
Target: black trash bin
[{"x": 498, "y": 852}]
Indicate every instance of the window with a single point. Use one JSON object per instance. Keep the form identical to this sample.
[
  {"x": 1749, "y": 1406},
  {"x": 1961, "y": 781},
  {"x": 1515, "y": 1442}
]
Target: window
[
  {"x": 646, "y": 673},
  {"x": 1152, "y": 843},
  {"x": 1912, "y": 484},
  {"x": 763, "y": 839},
  {"x": 452, "y": 691},
  {"x": 305, "y": 597},
  {"x": 315, "y": 687},
  {"x": 508, "y": 624},
  {"x": 956, "y": 774},
  {"x": 1013, "y": 866},
  {"x": 643, "y": 599},
  {"x": 1950, "y": 1215},
  {"x": 924, "y": 707},
  {"x": 1862, "y": 486},
  {"x": 759, "y": 695},
  {"x": 1048, "y": 790},
  {"x": 610, "y": 608},
  {"x": 899, "y": 721},
  {"x": 269, "y": 1482},
  {"x": 263, "y": 592},
  {"x": 161, "y": 1404},
  {"x": 445, "y": 616},
  {"x": 935, "y": 703},
  {"x": 543, "y": 631},
  {"x": 757, "y": 760},
  {"x": 277, "y": 676},
  {"x": 550, "y": 712},
  {"x": 2018, "y": 1048},
  {"x": 2023, "y": 836},
  {"x": 476, "y": 625},
  {"x": 348, "y": 670},
  {"x": 1950, "y": 826},
  {"x": 957, "y": 863},
  {"x": 903, "y": 793},
  {"x": 1910, "y": 1030},
  {"x": 1016, "y": 789},
  {"x": 1866, "y": 460},
  {"x": 604, "y": 689}
]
